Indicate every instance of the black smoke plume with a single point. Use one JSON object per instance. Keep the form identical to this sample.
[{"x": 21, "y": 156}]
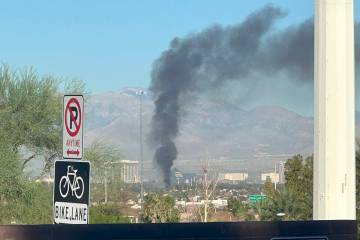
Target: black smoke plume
[{"x": 206, "y": 60}]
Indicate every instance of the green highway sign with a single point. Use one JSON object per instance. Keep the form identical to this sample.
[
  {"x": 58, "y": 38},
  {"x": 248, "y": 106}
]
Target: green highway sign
[{"x": 256, "y": 198}]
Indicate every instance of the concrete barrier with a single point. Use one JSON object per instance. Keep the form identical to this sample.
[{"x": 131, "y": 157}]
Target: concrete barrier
[{"x": 311, "y": 230}]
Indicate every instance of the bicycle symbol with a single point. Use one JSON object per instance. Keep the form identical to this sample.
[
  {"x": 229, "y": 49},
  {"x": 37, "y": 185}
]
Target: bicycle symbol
[{"x": 76, "y": 185}]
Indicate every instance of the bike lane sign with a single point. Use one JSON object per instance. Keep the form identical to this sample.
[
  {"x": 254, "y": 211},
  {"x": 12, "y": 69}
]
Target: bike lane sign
[
  {"x": 71, "y": 192},
  {"x": 73, "y": 119}
]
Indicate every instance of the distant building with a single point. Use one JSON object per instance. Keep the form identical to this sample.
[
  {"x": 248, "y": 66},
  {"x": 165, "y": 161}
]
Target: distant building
[
  {"x": 280, "y": 169},
  {"x": 128, "y": 170},
  {"x": 272, "y": 176},
  {"x": 233, "y": 177},
  {"x": 178, "y": 177}
]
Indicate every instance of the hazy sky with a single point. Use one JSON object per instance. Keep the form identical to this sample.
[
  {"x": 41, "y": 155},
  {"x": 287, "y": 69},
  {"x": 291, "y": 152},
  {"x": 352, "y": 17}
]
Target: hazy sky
[{"x": 112, "y": 44}]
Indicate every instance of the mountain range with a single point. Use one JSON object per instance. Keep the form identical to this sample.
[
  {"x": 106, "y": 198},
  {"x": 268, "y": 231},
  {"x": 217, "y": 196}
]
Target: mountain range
[{"x": 229, "y": 137}]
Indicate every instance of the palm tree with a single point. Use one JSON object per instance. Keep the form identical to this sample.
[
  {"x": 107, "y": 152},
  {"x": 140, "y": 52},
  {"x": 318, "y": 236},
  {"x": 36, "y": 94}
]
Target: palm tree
[
  {"x": 283, "y": 205},
  {"x": 160, "y": 209}
]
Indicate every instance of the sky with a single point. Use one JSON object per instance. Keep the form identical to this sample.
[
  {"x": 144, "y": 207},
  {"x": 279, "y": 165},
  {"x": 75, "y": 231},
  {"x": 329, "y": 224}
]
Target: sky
[{"x": 112, "y": 44}]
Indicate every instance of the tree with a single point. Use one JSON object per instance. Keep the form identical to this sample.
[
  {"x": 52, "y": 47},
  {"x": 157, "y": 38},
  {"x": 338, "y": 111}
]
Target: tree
[
  {"x": 269, "y": 189},
  {"x": 299, "y": 182},
  {"x": 239, "y": 209},
  {"x": 18, "y": 193},
  {"x": 30, "y": 114},
  {"x": 160, "y": 209},
  {"x": 102, "y": 157},
  {"x": 281, "y": 202},
  {"x": 357, "y": 160},
  {"x": 208, "y": 187},
  {"x": 109, "y": 213},
  {"x": 10, "y": 172},
  {"x": 32, "y": 205},
  {"x": 205, "y": 189},
  {"x": 295, "y": 199},
  {"x": 30, "y": 128}
]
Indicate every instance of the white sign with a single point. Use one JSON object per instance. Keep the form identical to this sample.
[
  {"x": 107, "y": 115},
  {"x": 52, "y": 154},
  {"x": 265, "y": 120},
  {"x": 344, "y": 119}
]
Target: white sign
[
  {"x": 73, "y": 119},
  {"x": 71, "y": 213}
]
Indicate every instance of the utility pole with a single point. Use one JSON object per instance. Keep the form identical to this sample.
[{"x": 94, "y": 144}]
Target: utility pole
[
  {"x": 334, "y": 105},
  {"x": 105, "y": 187},
  {"x": 275, "y": 183},
  {"x": 206, "y": 188},
  {"x": 140, "y": 93}
]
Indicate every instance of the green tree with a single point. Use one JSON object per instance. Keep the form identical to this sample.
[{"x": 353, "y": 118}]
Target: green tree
[
  {"x": 160, "y": 209},
  {"x": 295, "y": 198},
  {"x": 239, "y": 209},
  {"x": 269, "y": 189},
  {"x": 107, "y": 213},
  {"x": 33, "y": 205},
  {"x": 30, "y": 114},
  {"x": 357, "y": 160},
  {"x": 103, "y": 158},
  {"x": 282, "y": 205},
  {"x": 10, "y": 173},
  {"x": 299, "y": 183},
  {"x": 30, "y": 128},
  {"x": 21, "y": 201}
]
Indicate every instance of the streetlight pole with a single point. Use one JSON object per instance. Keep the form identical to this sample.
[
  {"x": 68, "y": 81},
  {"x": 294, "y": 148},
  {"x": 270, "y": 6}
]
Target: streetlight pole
[{"x": 140, "y": 93}]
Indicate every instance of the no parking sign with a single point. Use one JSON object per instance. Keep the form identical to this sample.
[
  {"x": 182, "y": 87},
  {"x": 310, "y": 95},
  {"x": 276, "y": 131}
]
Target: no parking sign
[{"x": 73, "y": 118}]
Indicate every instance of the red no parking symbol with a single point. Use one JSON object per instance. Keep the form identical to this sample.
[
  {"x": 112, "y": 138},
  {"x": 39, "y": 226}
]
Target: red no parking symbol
[{"x": 72, "y": 117}]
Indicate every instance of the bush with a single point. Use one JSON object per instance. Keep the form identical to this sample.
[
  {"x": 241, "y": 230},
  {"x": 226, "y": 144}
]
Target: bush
[
  {"x": 107, "y": 213},
  {"x": 32, "y": 206},
  {"x": 160, "y": 209}
]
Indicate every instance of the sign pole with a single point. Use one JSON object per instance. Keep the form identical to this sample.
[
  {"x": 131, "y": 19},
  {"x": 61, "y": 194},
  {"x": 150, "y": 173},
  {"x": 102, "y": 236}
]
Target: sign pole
[{"x": 72, "y": 176}]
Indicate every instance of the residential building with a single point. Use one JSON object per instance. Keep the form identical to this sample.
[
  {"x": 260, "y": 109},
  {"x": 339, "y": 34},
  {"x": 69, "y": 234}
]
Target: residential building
[
  {"x": 272, "y": 176},
  {"x": 128, "y": 171},
  {"x": 233, "y": 177}
]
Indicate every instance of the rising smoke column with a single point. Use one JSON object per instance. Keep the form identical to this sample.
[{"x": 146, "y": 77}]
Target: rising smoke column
[
  {"x": 207, "y": 60},
  {"x": 223, "y": 52}
]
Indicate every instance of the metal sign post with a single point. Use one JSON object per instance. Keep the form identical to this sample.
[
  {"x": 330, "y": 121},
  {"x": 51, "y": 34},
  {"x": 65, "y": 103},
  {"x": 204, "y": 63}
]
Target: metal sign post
[{"x": 72, "y": 177}]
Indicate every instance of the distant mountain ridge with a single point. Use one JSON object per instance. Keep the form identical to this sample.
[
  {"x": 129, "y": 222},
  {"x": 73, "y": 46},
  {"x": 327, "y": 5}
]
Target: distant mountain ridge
[{"x": 234, "y": 138}]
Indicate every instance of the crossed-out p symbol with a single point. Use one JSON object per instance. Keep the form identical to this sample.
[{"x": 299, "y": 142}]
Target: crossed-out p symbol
[{"x": 72, "y": 118}]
